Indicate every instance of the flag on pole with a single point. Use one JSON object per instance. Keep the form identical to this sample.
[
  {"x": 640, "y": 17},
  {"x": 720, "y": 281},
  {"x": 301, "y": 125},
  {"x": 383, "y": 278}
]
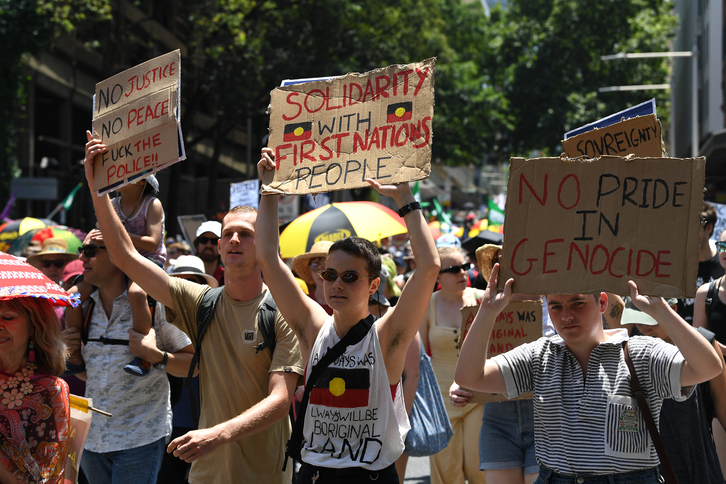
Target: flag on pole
[
  {"x": 440, "y": 214},
  {"x": 68, "y": 201},
  {"x": 496, "y": 214},
  {"x": 416, "y": 191}
]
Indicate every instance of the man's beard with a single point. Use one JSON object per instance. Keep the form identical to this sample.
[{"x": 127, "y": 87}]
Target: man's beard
[{"x": 208, "y": 256}]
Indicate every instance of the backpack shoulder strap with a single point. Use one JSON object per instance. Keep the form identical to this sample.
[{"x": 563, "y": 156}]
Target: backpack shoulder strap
[
  {"x": 204, "y": 317},
  {"x": 711, "y": 297},
  {"x": 266, "y": 323}
]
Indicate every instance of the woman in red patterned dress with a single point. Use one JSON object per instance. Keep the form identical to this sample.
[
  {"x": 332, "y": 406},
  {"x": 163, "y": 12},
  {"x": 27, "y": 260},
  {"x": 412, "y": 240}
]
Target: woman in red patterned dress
[{"x": 34, "y": 402}]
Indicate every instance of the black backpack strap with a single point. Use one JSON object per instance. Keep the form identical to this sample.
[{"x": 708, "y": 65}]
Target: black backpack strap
[
  {"x": 266, "y": 324},
  {"x": 354, "y": 336},
  {"x": 204, "y": 316},
  {"x": 86, "y": 320},
  {"x": 711, "y": 297}
]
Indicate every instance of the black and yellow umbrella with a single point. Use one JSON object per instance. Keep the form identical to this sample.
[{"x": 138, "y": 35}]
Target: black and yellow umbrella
[{"x": 336, "y": 221}]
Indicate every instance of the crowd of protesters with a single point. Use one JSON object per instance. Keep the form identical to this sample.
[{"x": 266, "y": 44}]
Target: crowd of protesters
[{"x": 284, "y": 353}]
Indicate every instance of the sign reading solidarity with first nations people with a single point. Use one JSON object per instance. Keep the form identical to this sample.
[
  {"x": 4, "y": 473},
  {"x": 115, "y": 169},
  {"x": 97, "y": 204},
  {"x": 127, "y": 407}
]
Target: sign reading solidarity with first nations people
[
  {"x": 136, "y": 114},
  {"x": 577, "y": 226},
  {"x": 333, "y": 134}
]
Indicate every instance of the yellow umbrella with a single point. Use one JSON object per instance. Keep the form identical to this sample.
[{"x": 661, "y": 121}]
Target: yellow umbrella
[{"x": 336, "y": 221}]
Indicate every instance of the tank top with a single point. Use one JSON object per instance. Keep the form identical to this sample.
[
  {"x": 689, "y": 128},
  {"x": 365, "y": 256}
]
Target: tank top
[
  {"x": 136, "y": 224},
  {"x": 351, "y": 419}
]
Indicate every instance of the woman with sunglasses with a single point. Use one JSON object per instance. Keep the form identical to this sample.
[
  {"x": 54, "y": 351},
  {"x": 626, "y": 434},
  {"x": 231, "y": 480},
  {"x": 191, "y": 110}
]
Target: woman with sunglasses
[
  {"x": 440, "y": 333},
  {"x": 52, "y": 258},
  {"x": 709, "y": 311},
  {"x": 355, "y": 423}
]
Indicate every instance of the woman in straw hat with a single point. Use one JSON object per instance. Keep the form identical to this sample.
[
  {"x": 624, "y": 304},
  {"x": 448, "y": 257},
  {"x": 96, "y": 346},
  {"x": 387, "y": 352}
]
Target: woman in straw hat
[
  {"x": 307, "y": 266},
  {"x": 34, "y": 403},
  {"x": 52, "y": 259}
]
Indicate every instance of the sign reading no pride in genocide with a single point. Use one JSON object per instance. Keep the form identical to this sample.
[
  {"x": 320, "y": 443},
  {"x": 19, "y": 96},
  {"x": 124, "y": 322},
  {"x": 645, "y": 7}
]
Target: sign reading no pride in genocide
[
  {"x": 136, "y": 114},
  {"x": 332, "y": 135},
  {"x": 520, "y": 322},
  {"x": 588, "y": 225}
]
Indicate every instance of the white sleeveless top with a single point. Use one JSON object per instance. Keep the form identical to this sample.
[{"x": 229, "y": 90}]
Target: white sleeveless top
[{"x": 352, "y": 420}]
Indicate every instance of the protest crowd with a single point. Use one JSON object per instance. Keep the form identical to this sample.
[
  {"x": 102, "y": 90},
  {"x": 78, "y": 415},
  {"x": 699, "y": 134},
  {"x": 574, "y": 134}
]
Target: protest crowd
[{"x": 218, "y": 360}]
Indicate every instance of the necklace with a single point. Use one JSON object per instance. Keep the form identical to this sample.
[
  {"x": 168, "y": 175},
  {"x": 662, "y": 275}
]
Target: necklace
[{"x": 15, "y": 388}]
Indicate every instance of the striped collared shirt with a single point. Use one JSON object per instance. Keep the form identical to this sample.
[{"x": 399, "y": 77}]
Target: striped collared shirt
[{"x": 593, "y": 425}]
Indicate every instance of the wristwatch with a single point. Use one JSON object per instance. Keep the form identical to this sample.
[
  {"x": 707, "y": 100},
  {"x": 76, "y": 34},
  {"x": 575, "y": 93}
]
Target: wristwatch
[{"x": 162, "y": 364}]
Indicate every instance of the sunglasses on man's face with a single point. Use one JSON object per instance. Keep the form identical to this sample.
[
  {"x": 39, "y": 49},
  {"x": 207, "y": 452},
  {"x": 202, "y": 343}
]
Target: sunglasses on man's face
[
  {"x": 721, "y": 246},
  {"x": 206, "y": 240},
  {"x": 455, "y": 269},
  {"x": 59, "y": 263},
  {"x": 89, "y": 250},
  {"x": 347, "y": 277}
]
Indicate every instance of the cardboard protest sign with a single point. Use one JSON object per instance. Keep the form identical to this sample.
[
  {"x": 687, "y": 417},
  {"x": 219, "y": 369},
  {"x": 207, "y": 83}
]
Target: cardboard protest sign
[
  {"x": 136, "y": 114},
  {"x": 332, "y": 135},
  {"x": 588, "y": 225},
  {"x": 639, "y": 136},
  {"x": 520, "y": 322}
]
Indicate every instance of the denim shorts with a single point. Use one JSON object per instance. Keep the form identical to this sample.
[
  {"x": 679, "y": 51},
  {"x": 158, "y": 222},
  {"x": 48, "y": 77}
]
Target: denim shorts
[
  {"x": 646, "y": 476},
  {"x": 506, "y": 440}
]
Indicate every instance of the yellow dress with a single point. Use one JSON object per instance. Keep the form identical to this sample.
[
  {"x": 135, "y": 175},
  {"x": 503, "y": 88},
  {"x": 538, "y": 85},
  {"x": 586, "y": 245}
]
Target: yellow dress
[{"x": 460, "y": 459}]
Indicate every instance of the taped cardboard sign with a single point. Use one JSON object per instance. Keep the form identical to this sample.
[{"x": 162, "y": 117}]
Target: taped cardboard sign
[
  {"x": 640, "y": 136},
  {"x": 577, "y": 226},
  {"x": 332, "y": 135},
  {"x": 519, "y": 323},
  {"x": 136, "y": 114}
]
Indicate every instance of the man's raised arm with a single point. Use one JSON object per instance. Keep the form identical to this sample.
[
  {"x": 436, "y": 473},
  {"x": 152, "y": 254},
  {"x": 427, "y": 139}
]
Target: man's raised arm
[{"x": 142, "y": 271}]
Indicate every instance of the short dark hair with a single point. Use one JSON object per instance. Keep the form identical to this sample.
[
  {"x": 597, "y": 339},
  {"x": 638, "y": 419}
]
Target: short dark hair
[
  {"x": 237, "y": 209},
  {"x": 360, "y": 247},
  {"x": 709, "y": 216}
]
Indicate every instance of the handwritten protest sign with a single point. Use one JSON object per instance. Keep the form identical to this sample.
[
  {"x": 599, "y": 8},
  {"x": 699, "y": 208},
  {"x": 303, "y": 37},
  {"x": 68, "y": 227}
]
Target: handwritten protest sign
[
  {"x": 520, "y": 322},
  {"x": 136, "y": 114},
  {"x": 639, "y": 136},
  {"x": 244, "y": 193},
  {"x": 589, "y": 225},
  {"x": 332, "y": 135}
]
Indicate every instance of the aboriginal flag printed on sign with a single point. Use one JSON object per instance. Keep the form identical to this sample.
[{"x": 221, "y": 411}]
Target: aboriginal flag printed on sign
[
  {"x": 341, "y": 388},
  {"x": 298, "y": 131},
  {"x": 399, "y": 112}
]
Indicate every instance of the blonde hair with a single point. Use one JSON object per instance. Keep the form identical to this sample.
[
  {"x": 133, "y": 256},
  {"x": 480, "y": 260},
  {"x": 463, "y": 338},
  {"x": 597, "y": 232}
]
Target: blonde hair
[
  {"x": 45, "y": 332},
  {"x": 448, "y": 251}
]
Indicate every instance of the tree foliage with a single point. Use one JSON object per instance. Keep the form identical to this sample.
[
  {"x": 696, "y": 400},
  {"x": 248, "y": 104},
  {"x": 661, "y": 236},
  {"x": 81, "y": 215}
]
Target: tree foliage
[
  {"x": 549, "y": 53},
  {"x": 505, "y": 85}
]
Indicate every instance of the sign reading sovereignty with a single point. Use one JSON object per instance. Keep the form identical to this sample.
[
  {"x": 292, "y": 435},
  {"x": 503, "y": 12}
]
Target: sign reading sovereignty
[
  {"x": 577, "y": 226},
  {"x": 136, "y": 114},
  {"x": 333, "y": 134}
]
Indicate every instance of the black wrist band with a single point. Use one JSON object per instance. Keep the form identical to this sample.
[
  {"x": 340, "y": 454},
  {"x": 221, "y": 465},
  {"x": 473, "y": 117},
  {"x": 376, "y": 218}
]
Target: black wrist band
[{"x": 406, "y": 209}]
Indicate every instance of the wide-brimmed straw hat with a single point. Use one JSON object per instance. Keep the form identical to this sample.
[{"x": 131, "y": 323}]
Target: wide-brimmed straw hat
[
  {"x": 52, "y": 246},
  {"x": 301, "y": 263},
  {"x": 487, "y": 255},
  {"x": 191, "y": 265}
]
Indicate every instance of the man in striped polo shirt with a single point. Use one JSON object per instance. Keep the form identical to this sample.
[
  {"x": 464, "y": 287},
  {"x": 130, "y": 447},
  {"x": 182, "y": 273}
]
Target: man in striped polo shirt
[{"x": 588, "y": 427}]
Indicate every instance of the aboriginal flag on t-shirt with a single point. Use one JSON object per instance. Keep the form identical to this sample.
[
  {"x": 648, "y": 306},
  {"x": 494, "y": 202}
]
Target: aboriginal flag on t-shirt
[
  {"x": 399, "y": 112},
  {"x": 342, "y": 388},
  {"x": 298, "y": 131}
]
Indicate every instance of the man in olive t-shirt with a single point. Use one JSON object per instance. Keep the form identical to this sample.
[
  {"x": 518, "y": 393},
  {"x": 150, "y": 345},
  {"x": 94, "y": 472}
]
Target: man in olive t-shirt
[
  {"x": 214, "y": 451},
  {"x": 233, "y": 378}
]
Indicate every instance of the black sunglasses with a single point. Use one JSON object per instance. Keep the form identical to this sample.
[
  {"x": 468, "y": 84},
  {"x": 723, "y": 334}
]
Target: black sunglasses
[
  {"x": 455, "y": 269},
  {"x": 348, "y": 277},
  {"x": 721, "y": 246},
  {"x": 59, "y": 263},
  {"x": 206, "y": 240},
  {"x": 89, "y": 250}
]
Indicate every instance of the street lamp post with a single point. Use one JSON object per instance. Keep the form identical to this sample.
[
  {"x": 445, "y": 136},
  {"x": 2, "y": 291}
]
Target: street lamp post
[{"x": 694, "y": 90}]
